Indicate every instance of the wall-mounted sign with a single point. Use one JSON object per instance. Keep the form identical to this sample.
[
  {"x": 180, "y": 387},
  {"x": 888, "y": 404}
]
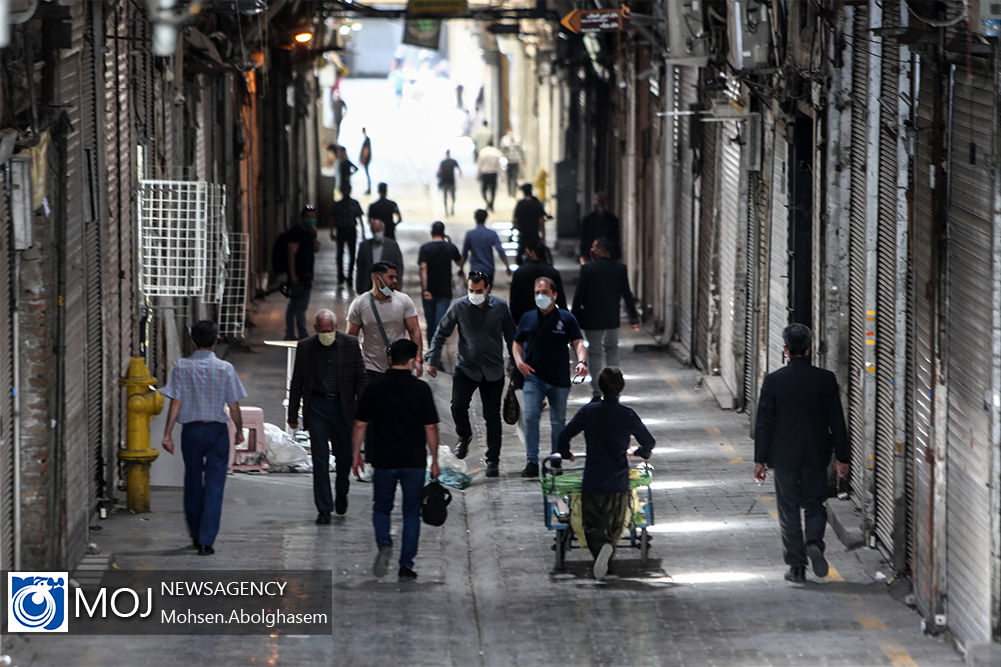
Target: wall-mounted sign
[
  {"x": 436, "y": 7},
  {"x": 596, "y": 20},
  {"x": 422, "y": 32}
]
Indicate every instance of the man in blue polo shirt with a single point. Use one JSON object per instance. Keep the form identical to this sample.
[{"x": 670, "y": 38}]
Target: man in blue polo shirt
[
  {"x": 199, "y": 389},
  {"x": 541, "y": 352},
  {"x": 479, "y": 247}
]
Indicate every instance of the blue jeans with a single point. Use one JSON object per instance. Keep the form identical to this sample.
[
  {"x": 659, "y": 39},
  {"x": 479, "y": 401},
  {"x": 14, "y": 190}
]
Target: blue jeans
[
  {"x": 383, "y": 494},
  {"x": 535, "y": 391},
  {"x": 434, "y": 310},
  {"x": 205, "y": 449},
  {"x": 295, "y": 312}
]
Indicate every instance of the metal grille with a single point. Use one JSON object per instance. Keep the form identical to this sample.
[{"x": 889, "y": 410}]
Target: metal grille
[
  {"x": 857, "y": 249},
  {"x": 925, "y": 303},
  {"x": 970, "y": 310},
  {"x": 686, "y": 97},
  {"x": 778, "y": 251},
  {"x": 886, "y": 291},
  {"x": 7, "y": 444},
  {"x": 753, "y": 241},
  {"x": 729, "y": 247},
  {"x": 173, "y": 236},
  {"x": 707, "y": 237},
  {"x": 232, "y": 310}
]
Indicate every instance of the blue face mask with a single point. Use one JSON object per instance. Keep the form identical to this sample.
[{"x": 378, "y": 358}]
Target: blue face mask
[
  {"x": 311, "y": 222},
  {"x": 386, "y": 291},
  {"x": 543, "y": 301}
]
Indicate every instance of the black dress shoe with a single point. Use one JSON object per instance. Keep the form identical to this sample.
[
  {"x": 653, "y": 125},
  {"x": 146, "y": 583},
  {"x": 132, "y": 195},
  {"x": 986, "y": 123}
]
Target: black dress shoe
[
  {"x": 194, "y": 543},
  {"x": 340, "y": 506},
  {"x": 816, "y": 554},
  {"x": 796, "y": 574},
  {"x": 531, "y": 469},
  {"x": 462, "y": 447},
  {"x": 406, "y": 574},
  {"x": 205, "y": 550},
  {"x": 492, "y": 469},
  {"x": 323, "y": 518}
]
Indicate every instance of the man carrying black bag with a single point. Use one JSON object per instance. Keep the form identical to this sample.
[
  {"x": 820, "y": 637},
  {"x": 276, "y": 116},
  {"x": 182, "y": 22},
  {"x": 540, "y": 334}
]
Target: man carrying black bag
[{"x": 403, "y": 419}]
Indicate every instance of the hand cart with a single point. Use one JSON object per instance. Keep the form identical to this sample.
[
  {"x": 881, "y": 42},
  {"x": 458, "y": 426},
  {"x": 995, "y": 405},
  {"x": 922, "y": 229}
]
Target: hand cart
[{"x": 561, "y": 488}]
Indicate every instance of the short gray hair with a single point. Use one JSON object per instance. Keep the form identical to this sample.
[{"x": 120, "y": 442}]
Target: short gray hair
[{"x": 325, "y": 312}]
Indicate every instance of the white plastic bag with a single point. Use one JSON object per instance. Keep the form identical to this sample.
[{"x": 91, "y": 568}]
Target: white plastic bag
[{"x": 285, "y": 454}]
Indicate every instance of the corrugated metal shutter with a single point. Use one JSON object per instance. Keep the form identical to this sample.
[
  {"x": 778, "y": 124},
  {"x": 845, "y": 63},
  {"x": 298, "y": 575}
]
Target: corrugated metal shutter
[
  {"x": 93, "y": 214},
  {"x": 728, "y": 247},
  {"x": 886, "y": 291},
  {"x": 7, "y": 444},
  {"x": 77, "y": 469},
  {"x": 857, "y": 269},
  {"x": 687, "y": 99},
  {"x": 970, "y": 311},
  {"x": 707, "y": 246},
  {"x": 924, "y": 298},
  {"x": 752, "y": 317},
  {"x": 778, "y": 251}
]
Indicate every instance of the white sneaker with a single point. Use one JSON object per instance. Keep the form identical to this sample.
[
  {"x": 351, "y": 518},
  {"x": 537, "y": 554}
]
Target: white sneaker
[
  {"x": 601, "y": 562},
  {"x": 366, "y": 473}
]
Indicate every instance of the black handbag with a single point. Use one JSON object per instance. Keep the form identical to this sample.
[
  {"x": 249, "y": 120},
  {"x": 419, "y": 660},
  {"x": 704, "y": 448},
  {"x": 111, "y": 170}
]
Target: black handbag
[
  {"x": 434, "y": 503},
  {"x": 511, "y": 410}
]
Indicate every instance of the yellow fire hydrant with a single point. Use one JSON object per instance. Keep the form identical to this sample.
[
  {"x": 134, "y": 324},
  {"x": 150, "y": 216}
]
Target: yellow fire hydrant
[{"x": 142, "y": 404}]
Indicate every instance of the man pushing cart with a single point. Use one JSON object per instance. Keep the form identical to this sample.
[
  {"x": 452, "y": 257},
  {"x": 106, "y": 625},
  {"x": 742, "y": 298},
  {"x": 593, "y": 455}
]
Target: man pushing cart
[{"x": 606, "y": 490}]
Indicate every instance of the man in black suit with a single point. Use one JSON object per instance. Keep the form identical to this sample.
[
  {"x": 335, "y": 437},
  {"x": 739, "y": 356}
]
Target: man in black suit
[
  {"x": 379, "y": 248},
  {"x": 328, "y": 379},
  {"x": 601, "y": 285},
  {"x": 523, "y": 281},
  {"x": 799, "y": 423}
]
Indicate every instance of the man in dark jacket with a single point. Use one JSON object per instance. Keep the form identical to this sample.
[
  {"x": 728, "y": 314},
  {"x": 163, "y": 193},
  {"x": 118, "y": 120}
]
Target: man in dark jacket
[
  {"x": 347, "y": 219},
  {"x": 600, "y": 287},
  {"x": 799, "y": 423},
  {"x": 599, "y": 223},
  {"x": 379, "y": 248},
  {"x": 523, "y": 281},
  {"x": 530, "y": 220},
  {"x": 605, "y": 495},
  {"x": 327, "y": 379}
]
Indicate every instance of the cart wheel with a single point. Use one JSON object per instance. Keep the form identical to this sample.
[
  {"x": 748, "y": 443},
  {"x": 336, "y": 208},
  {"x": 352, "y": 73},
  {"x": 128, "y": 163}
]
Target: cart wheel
[
  {"x": 644, "y": 547},
  {"x": 561, "y": 549}
]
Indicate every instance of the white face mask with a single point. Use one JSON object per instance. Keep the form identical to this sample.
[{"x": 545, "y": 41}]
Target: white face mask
[
  {"x": 477, "y": 299},
  {"x": 378, "y": 236},
  {"x": 327, "y": 338},
  {"x": 543, "y": 301},
  {"x": 386, "y": 291}
]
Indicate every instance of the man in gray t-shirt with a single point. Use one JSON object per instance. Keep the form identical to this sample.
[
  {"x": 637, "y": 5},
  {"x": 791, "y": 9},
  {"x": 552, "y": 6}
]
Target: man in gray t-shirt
[{"x": 398, "y": 316}]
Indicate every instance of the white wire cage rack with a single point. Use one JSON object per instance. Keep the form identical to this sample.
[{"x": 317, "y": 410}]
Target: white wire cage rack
[
  {"x": 232, "y": 308},
  {"x": 175, "y": 218}
]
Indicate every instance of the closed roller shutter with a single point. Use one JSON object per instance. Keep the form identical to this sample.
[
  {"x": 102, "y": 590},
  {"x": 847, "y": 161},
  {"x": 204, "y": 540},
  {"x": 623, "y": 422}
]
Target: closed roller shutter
[
  {"x": 729, "y": 241},
  {"x": 687, "y": 99},
  {"x": 857, "y": 269},
  {"x": 778, "y": 251},
  {"x": 75, "y": 446},
  {"x": 7, "y": 444},
  {"x": 707, "y": 246},
  {"x": 924, "y": 340},
  {"x": 970, "y": 309},
  {"x": 886, "y": 297}
]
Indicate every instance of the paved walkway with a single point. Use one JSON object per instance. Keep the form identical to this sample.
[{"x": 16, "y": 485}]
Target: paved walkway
[{"x": 712, "y": 594}]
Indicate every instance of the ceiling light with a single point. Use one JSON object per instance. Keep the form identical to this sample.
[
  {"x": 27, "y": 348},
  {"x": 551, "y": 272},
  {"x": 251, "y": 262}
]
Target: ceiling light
[{"x": 303, "y": 37}]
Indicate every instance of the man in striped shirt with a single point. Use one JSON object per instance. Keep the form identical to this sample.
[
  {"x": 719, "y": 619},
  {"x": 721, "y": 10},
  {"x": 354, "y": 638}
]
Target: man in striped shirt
[{"x": 199, "y": 389}]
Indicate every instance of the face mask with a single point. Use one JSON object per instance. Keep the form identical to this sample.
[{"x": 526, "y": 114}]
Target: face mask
[
  {"x": 327, "y": 338},
  {"x": 311, "y": 222},
  {"x": 477, "y": 299},
  {"x": 543, "y": 301},
  {"x": 386, "y": 291},
  {"x": 378, "y": 236}
]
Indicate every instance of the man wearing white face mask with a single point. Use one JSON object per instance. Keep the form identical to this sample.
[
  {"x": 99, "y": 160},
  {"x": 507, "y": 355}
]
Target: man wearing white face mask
[
  {"x": 382, "y": 315},
  {"x": 328, "y": 379},
  {"x": 540, "y": 351},
  {"x": 485, "y": 328},
  {"x": 379, "y": 248}
]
